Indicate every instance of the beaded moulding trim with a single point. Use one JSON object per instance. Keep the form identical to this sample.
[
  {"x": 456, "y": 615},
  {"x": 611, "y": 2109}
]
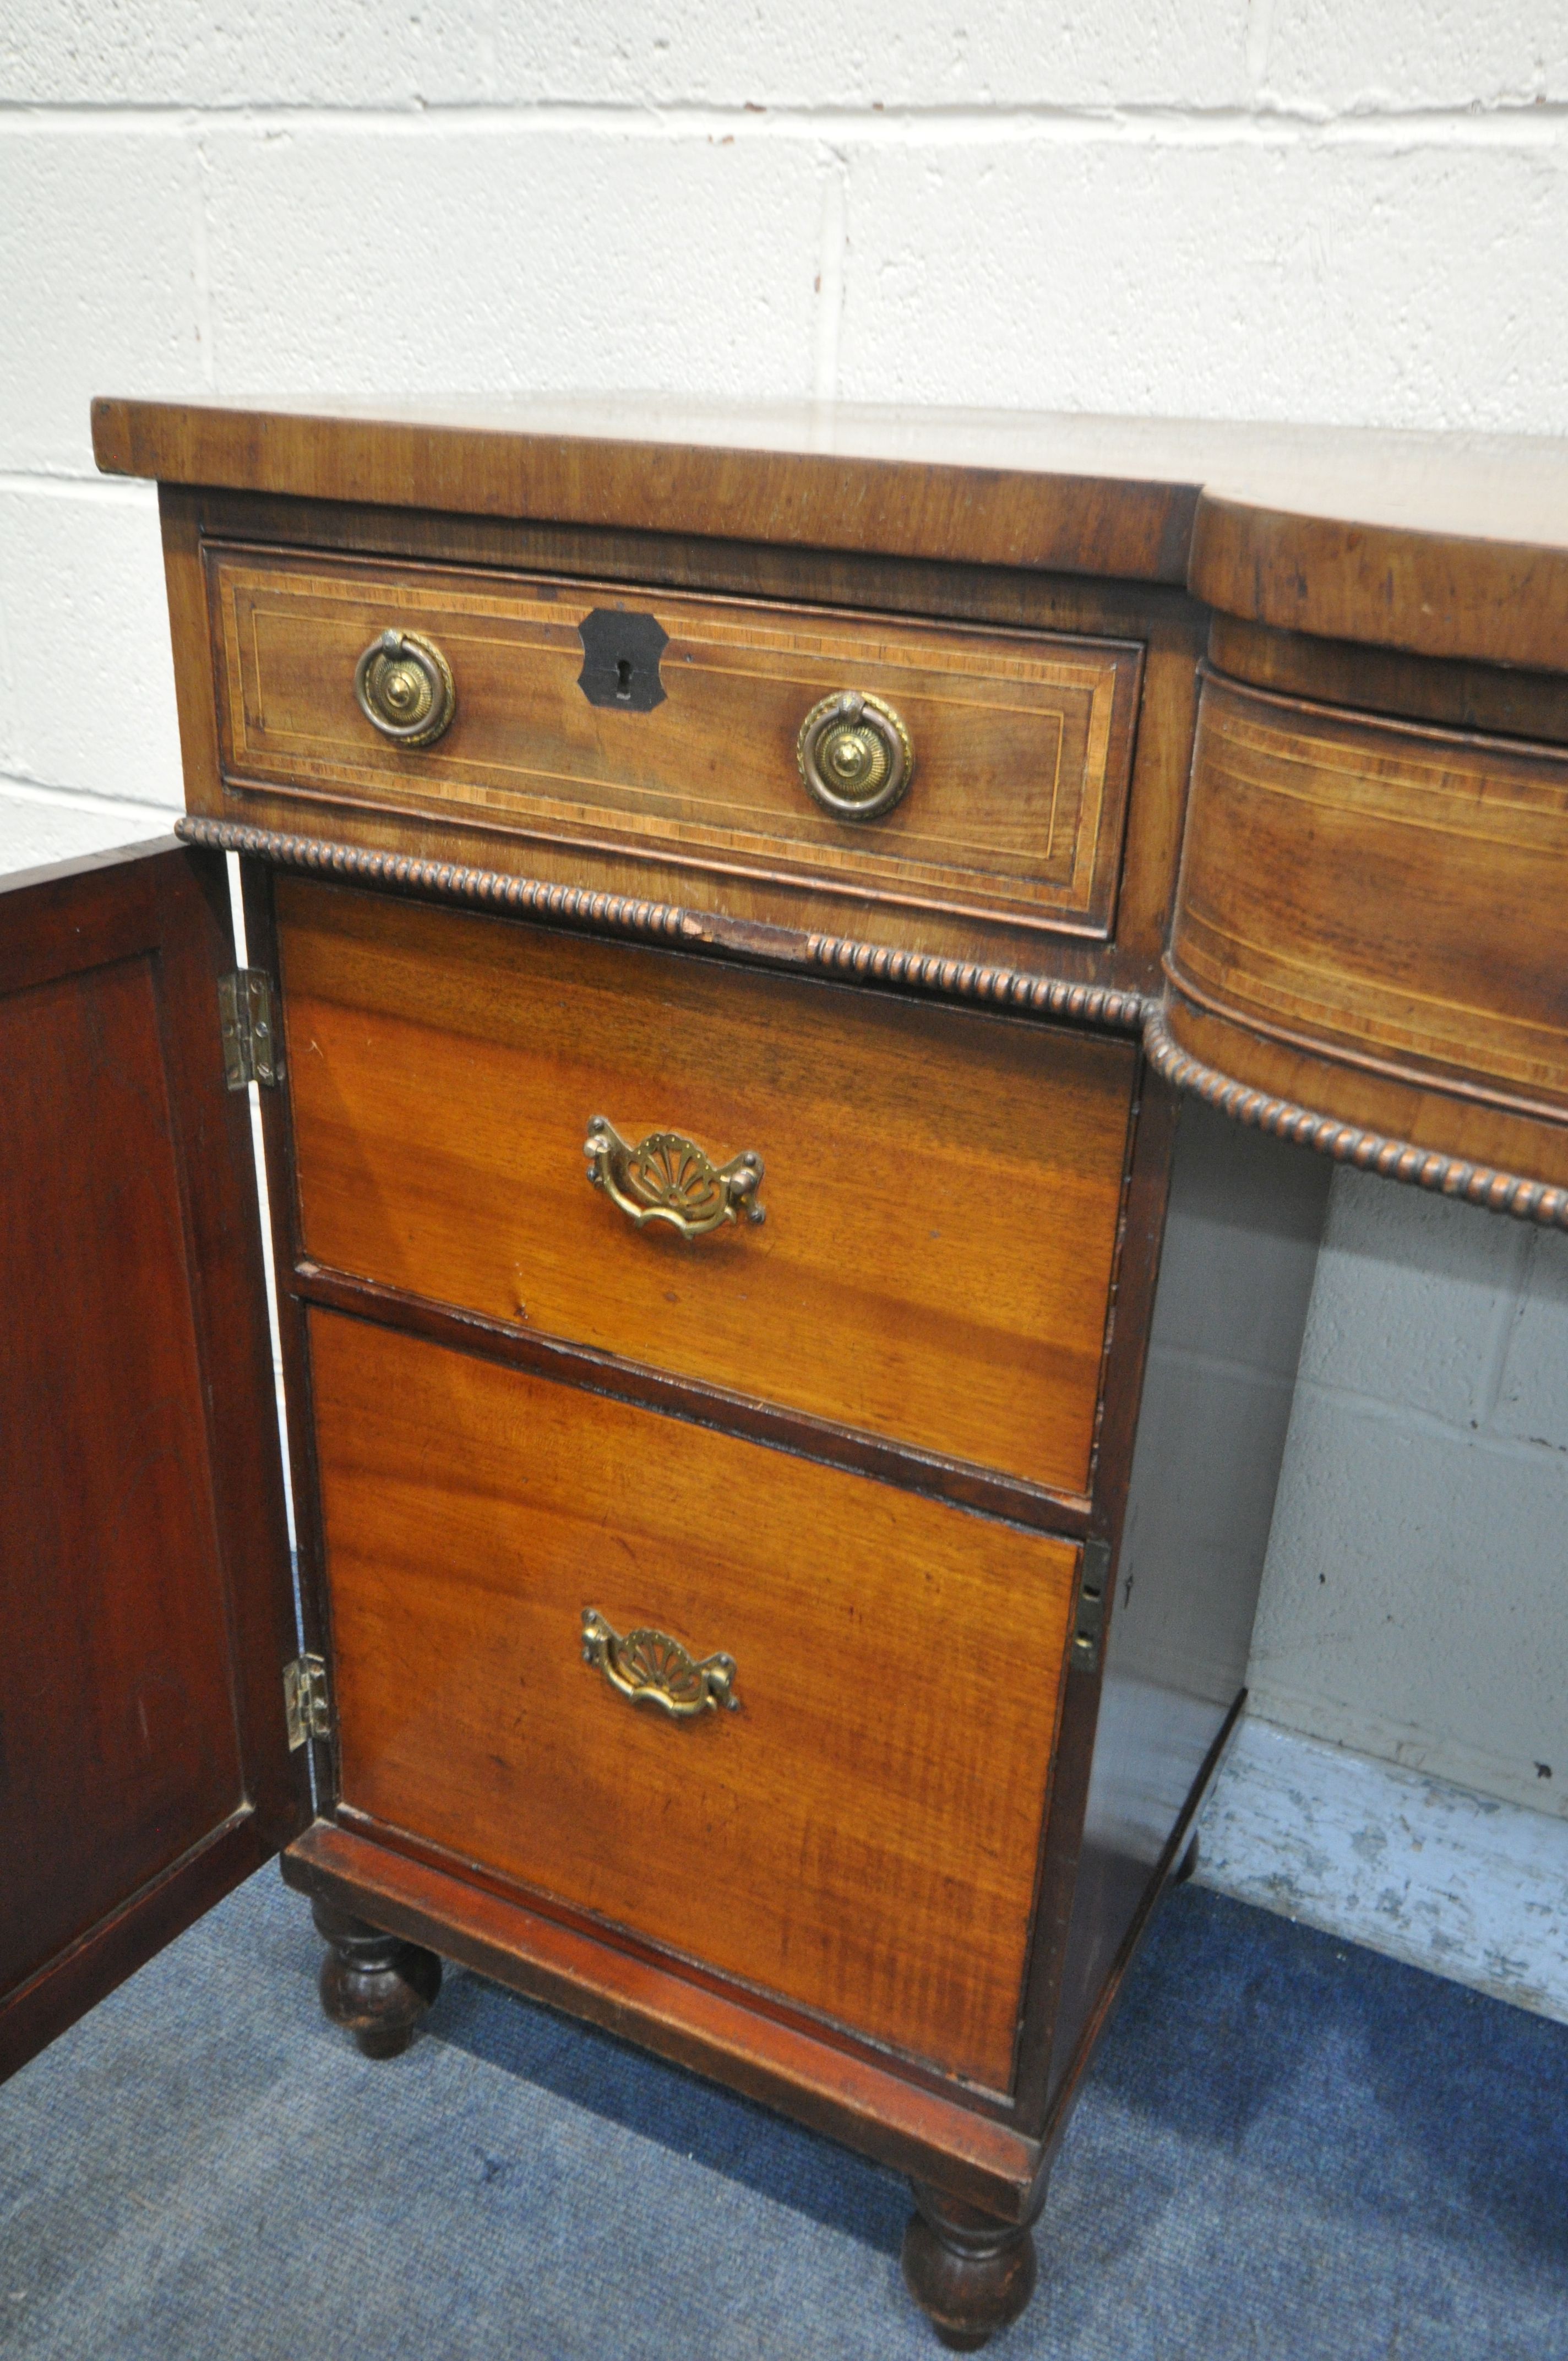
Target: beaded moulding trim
[
  {"x": 841, "y": 955},
  {"x": 1348, "y": 1143},
  {"x": 665, "y": 922}
]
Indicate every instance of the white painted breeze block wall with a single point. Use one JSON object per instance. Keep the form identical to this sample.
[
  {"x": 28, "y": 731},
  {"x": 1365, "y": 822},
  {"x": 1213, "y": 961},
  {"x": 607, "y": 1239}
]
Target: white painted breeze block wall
[{"x": 1292, "y": 209}]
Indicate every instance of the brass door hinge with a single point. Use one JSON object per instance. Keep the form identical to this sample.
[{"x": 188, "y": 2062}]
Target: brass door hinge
[
  {"x": 1091, "y": 1620},
  {"x": 305, "y": 1700},
  {"x": 252, "y": 1052}
]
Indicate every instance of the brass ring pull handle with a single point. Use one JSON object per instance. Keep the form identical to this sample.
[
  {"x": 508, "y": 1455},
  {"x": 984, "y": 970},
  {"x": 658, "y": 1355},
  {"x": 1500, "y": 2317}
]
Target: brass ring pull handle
[
  {"x": 855, "y": 755},
  {"x": 405, "y": 688},
  {"x": 651, "y": 1668},
  {"x": 666, "y": 1178}
]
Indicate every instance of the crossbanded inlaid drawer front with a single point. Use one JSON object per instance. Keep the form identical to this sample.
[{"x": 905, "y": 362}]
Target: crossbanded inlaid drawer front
[
  {"x": 1021, "y": 741},
  {"x": 1393, "y": 893},
  {"x": 940, "y": 1189},
  {"x": 856, "y": 1831}
]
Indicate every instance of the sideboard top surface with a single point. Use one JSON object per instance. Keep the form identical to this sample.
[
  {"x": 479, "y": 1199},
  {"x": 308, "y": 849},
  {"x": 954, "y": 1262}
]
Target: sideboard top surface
[{"x": 1446, "y": 545}]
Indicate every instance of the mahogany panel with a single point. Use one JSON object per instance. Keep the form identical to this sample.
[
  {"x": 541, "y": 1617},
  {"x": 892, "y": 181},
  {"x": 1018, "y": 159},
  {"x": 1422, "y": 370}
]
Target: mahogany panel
[
  {"x": 124, "y": 1644},
  {"x": 1499, "y": 701},
  {"x": 738, "y": 1413},
  {"x": 941, "y": 1189},
  {"x": 978, "y": 487},
  {"x": 1169, "y": 627},
  {"x": 859, "y": 1837},
  {"x": 1448, "y": 545},
  {"x": 1479, "y": 575},
  {"x": 1138, "y": 1264},
  {"x": 144, "y": 1572},
  {"x": 1022, "y": 743},
  {"x": 1391, "y": 894}
]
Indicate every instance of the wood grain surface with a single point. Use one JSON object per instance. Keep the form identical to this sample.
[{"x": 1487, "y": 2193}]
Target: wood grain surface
[
  {"x": 1166, "y": 625},
  {"x": 877, "y": 2104},
  {"x": 871, "y": 1895},
  {"x": 1395, "y": 894},
  {"x": 941, "y": 1188},
  {"x": 859, "y": 1837},
  {"x": 1447, "y": 545},
  {"x": 1495, "y": 594},
  {"x": 144, "y": 1582},
  {"x": 1023, "y": 744},
  {"x": 965, "y": 489},
  {"x": 1497, "y": 700}
]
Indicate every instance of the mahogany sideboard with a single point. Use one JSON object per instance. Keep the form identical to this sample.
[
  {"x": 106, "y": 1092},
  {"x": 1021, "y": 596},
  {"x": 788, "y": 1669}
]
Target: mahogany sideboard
[{"x": 937, "y": 877}]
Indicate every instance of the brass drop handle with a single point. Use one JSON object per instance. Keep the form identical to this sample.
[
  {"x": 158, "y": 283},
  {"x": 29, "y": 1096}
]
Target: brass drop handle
[
  {"x": 405, "y": 688},
  {"x": 666, "y": 1178},
  {"x": 855, "y": 755},
  {"x": 651, "y": 1668}
]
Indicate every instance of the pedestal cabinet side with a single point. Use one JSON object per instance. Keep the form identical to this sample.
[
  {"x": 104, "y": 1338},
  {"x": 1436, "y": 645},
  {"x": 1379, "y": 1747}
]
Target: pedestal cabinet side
[{"x": 1242, "y": 1223}]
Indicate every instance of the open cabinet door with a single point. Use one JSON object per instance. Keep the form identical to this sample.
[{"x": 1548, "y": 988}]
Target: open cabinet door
[{"x": 146, "y": 1606}]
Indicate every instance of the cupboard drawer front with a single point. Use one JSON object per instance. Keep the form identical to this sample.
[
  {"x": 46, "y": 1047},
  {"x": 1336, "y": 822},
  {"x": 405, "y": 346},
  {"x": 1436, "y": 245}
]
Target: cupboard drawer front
[
  {"x": 1021, "y": 741},
  {"x": 859, "y": 1836},
  {"x": 941, "y": 1188}
]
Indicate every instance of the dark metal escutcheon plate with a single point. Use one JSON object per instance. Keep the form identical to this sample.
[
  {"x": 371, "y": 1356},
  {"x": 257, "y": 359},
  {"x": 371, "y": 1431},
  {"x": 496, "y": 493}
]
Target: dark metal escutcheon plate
[{"x": 621, "y": 660}]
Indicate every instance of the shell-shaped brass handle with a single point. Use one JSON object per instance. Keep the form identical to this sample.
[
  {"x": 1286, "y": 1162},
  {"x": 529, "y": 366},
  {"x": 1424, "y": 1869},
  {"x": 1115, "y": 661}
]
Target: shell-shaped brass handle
[
  {"x": 666, "y": 1178},
  {"x": 855, "y": 755},
  {"x": 651, "y": 1668},
  {"x": 405, "y": 688}
]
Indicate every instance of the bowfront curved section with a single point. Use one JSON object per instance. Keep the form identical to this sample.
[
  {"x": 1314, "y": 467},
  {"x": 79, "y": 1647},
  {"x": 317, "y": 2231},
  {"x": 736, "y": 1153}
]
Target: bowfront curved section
[
  {"x": 1371, "y": 925},
  {"x": 1393, "y": 1159}
]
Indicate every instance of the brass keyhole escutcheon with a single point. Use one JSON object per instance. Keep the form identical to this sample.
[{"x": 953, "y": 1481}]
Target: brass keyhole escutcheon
[
  {"x": 855, "y": 755},
  {"x": 405, "y": 688}
]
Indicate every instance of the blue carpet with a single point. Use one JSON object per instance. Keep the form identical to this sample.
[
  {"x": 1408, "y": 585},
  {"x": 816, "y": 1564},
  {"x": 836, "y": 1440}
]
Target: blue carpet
[{"x": 1287, "y": 2147}]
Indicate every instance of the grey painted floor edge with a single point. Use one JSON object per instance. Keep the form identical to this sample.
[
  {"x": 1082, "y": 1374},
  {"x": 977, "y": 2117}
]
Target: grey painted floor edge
[{"x": 1289, "y": 2146}]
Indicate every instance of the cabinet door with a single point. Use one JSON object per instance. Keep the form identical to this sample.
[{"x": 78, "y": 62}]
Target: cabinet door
[{"x": 146, "y": 1606}]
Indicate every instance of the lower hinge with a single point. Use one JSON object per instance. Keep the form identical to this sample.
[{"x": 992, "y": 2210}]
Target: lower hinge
[
  {"x": 252, "y": 1052},
  {"x": 305, "y": 1701},
  {"x": 1089, "y": 1624}
]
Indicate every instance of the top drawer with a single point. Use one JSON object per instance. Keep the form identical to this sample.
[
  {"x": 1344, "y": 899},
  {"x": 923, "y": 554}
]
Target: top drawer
[{"x": 650, "y": 723}]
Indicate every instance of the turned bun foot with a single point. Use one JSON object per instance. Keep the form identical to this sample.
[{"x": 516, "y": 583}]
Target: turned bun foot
[
  {"x": 375, "y": 1985},
  {"x": 970, "y": 2274}
]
